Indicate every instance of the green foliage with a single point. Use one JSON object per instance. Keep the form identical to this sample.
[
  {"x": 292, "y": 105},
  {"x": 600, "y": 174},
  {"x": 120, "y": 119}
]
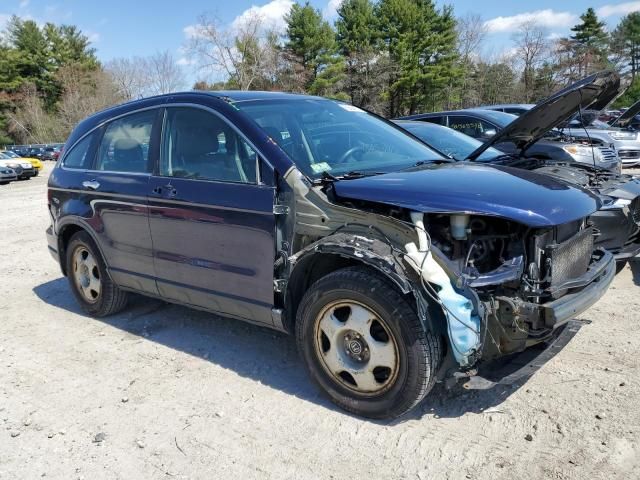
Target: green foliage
[
  {"x": 310, "y": 41},
  {"x": 591, "y": 32},
  {"x": 31, "y": 57},
  {"x": 626, "y": 41},
  {"x": 631, "y": 96}
]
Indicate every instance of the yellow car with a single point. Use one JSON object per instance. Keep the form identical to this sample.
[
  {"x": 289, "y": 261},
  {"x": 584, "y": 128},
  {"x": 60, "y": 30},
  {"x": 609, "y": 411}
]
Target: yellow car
[{"x": 36, "y": 163}]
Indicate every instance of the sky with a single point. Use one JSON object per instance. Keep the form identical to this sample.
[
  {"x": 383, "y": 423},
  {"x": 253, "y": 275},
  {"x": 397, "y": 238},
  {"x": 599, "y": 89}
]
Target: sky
[{"x": 126, "y": 28}]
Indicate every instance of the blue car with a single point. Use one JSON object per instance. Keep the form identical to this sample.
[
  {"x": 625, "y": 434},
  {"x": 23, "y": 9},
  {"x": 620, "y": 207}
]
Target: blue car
[{"x": 393, "y": 266}]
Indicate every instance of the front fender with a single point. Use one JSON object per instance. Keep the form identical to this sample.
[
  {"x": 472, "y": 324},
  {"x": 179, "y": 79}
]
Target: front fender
[{"x": 369, "y": 251}]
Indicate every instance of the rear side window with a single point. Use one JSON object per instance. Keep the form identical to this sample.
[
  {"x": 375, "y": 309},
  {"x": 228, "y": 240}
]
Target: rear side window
[
  {"x": 198, "y": 144},
  {"x": 78, "y": 156},
  {"x": 437, "y": 120},
  {"x": 474, "y": 127},
  {"x": 125, "y": 144}
]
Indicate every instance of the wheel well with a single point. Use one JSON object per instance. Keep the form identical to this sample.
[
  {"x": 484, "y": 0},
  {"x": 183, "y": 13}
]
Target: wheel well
[{"x": 67, "y": 232}]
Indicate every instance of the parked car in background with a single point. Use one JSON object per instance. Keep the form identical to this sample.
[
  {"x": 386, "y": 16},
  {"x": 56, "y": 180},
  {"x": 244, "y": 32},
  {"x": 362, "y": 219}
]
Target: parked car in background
[
  {"x": 629, "y": 119},
  {"x": 36, "y": 163},
  {"x": 512, "y": 108},
  {"x": 586, "y": 125},
  {"x": 483, "y": 124},
  {"x": 36, "y": 152},
  {"x": 388, "y": 261},
  {"x": 23, "y": 169},
  {"x": 49, "y": 153},
  {"x": 6, "y": 174}
]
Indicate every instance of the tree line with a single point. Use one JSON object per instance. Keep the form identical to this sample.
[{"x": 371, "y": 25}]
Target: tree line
[{"x": 393, "y": 57}]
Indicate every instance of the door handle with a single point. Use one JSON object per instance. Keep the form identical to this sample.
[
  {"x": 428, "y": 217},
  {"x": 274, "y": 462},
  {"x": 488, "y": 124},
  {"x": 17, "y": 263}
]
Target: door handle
[
  {"x": 91, "y": 185},
  {"x": 171, "y": 191}
]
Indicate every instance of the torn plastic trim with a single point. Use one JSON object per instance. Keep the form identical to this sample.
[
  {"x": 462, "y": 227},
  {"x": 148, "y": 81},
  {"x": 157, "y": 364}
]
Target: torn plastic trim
[
  {"x": 370, "y": 251},
  {"x": 463, "y": 324}
]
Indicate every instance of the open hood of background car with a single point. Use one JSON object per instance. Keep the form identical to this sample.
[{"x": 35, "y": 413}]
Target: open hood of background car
[
  {"x": 531, "y": 126},
  {"x": 623, "y": 120},
  {"x": 514, "y": 194}
]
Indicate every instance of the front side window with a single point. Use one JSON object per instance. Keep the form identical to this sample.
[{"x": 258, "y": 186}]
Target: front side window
[
  {"x": 198, "y": 144},
  {"x": 125, "y": 144},
  {"x": 327, "y": 136},
  {"x": 78, "y": 156},
  {"x": 474, "y": 127}
]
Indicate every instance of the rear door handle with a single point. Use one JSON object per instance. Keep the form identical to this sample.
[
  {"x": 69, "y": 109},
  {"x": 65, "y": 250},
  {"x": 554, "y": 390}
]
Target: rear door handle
[{"x": 91, "y": 185}]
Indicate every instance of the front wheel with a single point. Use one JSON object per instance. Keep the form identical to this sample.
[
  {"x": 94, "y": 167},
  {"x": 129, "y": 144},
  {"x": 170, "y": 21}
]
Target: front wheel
[
  {"x": 87, "y": 273},
  {"x": 364, "y": 344}
]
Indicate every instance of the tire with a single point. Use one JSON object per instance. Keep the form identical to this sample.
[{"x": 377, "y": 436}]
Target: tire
[
  {"x": 620, "y": 265},
  {"x": 330, "y": 305},
  {"x": 100, "y": 297}
]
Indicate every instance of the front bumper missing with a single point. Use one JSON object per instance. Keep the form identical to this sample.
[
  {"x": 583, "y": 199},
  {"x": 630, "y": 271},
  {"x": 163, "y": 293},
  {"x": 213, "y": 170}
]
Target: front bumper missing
[{"x": 519, "y": 367}]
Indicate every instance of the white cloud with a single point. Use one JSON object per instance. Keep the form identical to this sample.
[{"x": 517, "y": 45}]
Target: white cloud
[
  {"x": 184, "y": 61},
  {"x": 545, "y": 18},
  {"x": 619, "y": 9},
  {"x": 272, "y": 14},
  {"x": 331, "y": 10},
  {"x": 24, "y": 3},
  {"x": 92, "y": 36},
  {"x": 192, "y": 31}
]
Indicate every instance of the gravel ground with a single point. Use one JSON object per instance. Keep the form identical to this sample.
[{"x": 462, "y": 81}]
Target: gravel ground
[{"x": 161, "y": 391}]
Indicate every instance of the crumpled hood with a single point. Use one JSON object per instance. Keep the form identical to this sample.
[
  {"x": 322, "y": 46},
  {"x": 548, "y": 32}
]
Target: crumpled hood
[{"x": 518, "y": 195}]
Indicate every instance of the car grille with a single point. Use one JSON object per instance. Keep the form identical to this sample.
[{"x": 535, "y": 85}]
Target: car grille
[
  {"x": 570, "y": 259},
  {"x": 608, "y": 155},
  {"x": 629, "y": 154}
]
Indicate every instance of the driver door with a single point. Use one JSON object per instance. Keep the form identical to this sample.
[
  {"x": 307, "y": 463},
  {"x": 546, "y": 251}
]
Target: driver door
[{"x": 211, "y": 219}]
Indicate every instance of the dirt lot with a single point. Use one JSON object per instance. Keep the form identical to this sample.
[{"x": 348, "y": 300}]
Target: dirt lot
[{"x": 161, "y": 391}]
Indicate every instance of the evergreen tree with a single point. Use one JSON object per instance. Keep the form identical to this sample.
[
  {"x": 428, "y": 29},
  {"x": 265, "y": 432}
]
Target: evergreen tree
[
  {"x": 310, "y": 43},
  {"x": 590, "y": 41},
  {"x": 626, "y": 41},
  {"x": 357, "y": 37}
]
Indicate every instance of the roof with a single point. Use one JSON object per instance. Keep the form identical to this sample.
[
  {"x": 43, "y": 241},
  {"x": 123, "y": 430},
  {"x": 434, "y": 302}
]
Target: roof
[
  {"x": 250, "y": 95},
  {"x": 526, "y": 106}
]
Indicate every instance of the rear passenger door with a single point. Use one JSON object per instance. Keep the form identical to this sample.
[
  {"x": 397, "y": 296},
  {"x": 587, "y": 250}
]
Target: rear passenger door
[
  {"x": 211, "y": 217},
  {"x": 118, "y": 185}
]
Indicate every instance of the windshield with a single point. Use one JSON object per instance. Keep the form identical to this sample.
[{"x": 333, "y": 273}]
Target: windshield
[
  {"x": 450, "y": 142},
  {"x": 326, "y": 136},
  {"x": 4, "y": 156},
  {"x": 10, "y": 154}
]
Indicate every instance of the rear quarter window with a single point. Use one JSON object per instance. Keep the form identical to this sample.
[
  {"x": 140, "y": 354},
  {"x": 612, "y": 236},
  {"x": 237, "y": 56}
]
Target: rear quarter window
[{"x": 78, "y": 156}]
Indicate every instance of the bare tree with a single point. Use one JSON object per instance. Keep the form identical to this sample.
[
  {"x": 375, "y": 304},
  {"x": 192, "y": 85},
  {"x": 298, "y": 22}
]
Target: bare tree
[
  {"x": 243, "y": 53},
  {"x": 531, "y": 49},
  {"x": 471, "y": 34},
  {"x": 129, "y": 76},
  {"x": 162, "y": 74},
  {"x": 30, "y": 123},
  {"x": 84, "y": 93}
]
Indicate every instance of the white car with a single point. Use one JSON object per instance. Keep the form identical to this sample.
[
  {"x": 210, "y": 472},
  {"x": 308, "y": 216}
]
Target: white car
[
  {"x": 21, "y": 168},
  {"x": 7, "y": 175}
]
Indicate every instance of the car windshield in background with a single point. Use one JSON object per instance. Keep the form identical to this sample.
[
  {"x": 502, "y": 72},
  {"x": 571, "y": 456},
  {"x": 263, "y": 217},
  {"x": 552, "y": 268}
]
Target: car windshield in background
[
  {"x": 501, "y": 119},
  {"x": 450, "y": 142},
  {"x": 327, "y": 136}
]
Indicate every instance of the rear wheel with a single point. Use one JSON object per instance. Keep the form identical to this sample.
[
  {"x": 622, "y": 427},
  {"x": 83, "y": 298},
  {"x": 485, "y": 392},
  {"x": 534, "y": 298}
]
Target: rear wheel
[
  {"x": 95, "y": 292},
  {"x": 363, "y": 343}
]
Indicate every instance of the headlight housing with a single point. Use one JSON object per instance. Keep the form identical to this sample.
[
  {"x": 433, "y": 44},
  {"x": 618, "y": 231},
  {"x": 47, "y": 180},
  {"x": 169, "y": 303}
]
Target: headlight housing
[{"x": 584, "y": 151}]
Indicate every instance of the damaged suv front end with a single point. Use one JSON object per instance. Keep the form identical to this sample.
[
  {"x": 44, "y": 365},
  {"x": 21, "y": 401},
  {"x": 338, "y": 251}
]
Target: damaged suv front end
[
  {"x": 494, "y": 260},
  {"x": 506, "y": 271}
]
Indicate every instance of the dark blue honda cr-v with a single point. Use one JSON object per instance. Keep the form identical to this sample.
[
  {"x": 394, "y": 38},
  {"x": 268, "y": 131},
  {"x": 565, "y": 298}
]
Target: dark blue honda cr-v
[{"x": 394, "y": 267}]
